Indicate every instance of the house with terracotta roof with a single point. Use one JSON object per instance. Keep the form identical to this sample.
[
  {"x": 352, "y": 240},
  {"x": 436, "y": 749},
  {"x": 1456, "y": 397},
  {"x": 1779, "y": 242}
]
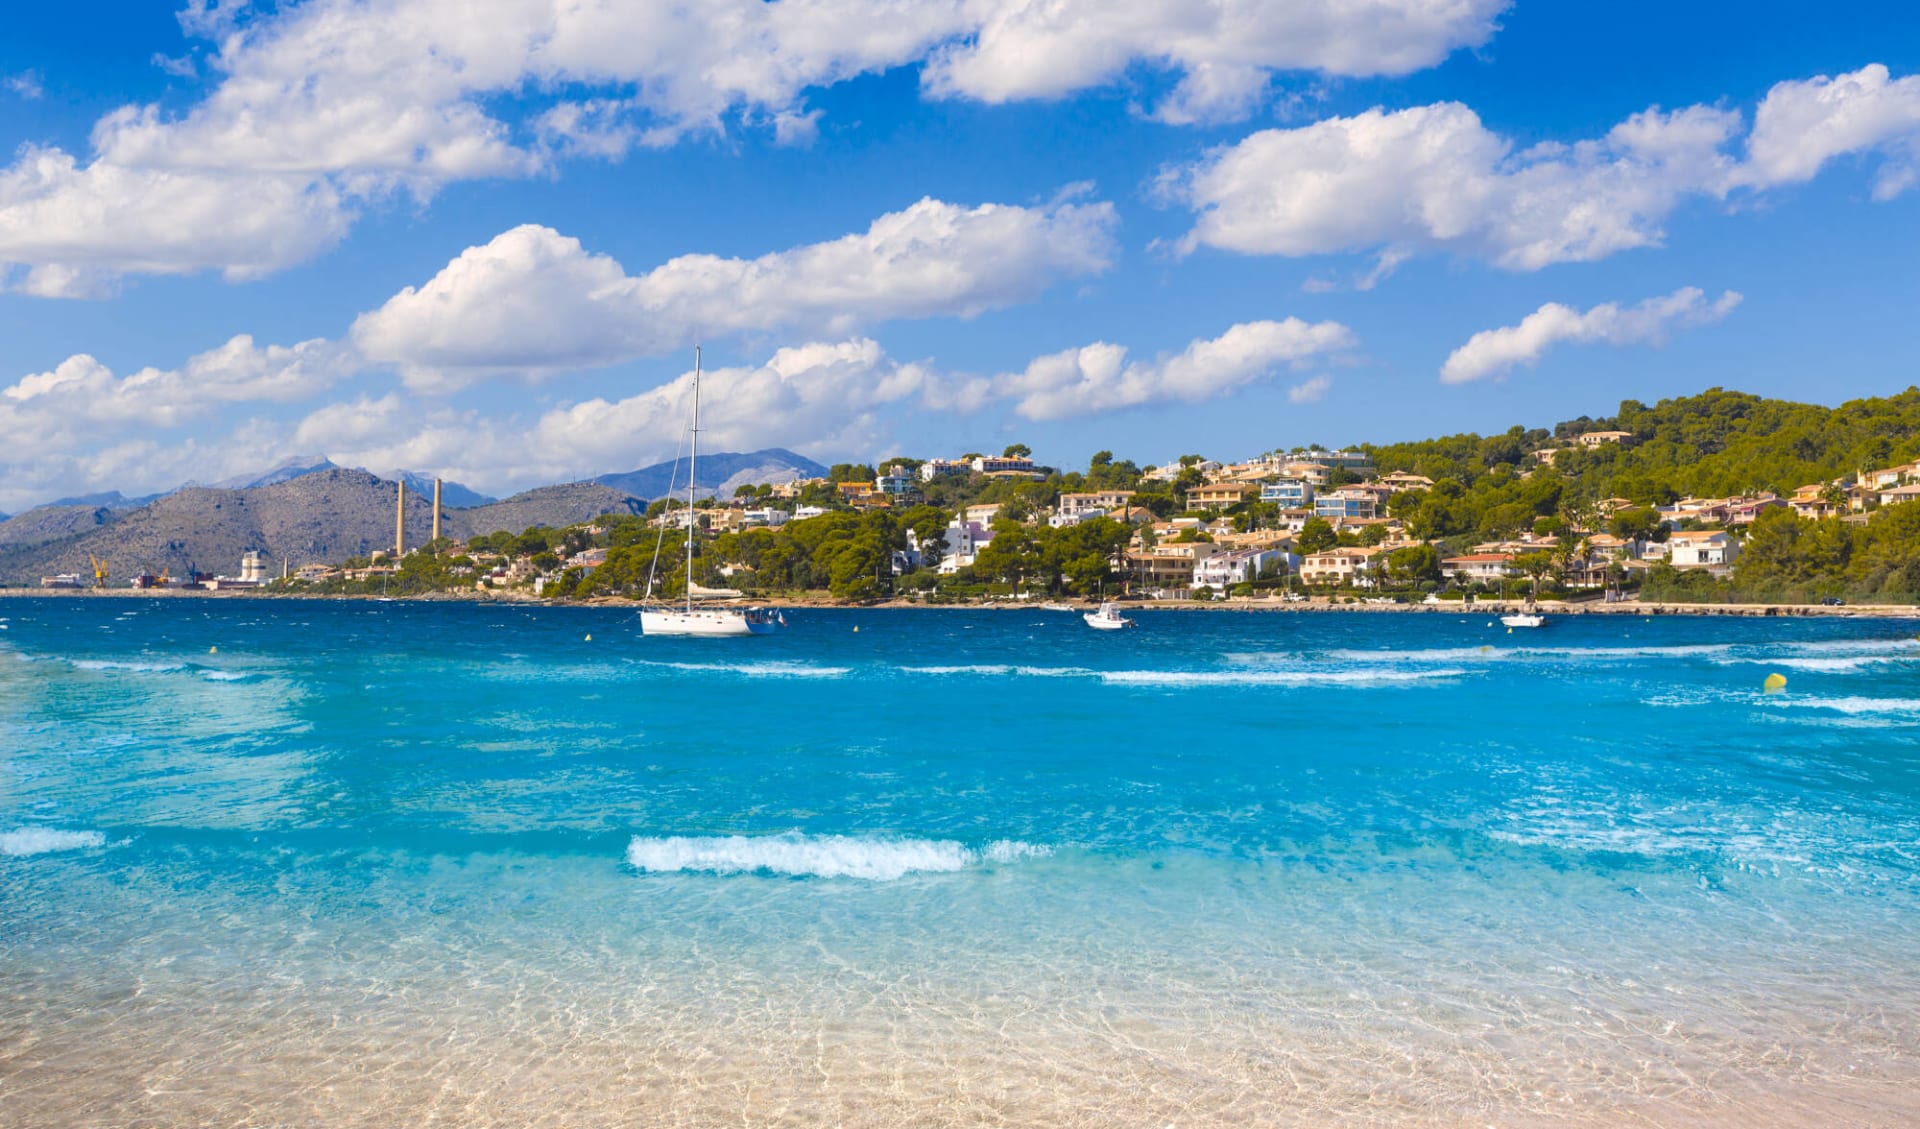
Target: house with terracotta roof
[
  {"x": 1702, "y": 548},
  {"x": 1481, "y": 568},
  {"x": 1350, "y": 565}
]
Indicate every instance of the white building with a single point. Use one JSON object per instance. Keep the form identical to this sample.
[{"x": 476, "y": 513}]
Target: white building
[
  {"x": 1703, "y": 548},
  {"x": 1079, "y": 506},
  {"x": 1223, "y": 570},
  {"x": 964, "y": 541},
  {"x": 938, "y": 468}
]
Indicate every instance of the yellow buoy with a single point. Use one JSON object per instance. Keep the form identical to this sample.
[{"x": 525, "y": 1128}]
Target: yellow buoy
[
  {"x": 856, "y": 628},
  {"x": 213, "y": 650},
  {"x": 1485, "y": 648},
  {"x": 1509, "y": 630},
  {"x": 1775, "y": 683},
  {"x": 589, "y": 638}
]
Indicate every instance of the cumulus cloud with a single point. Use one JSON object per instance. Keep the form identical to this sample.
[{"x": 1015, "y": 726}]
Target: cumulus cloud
[
  {"x": 821, "y": 396},
  {"x": 533, "y": 302},
  {"x": 80, "y": 391},
  {"x": 1494, "y": 352},
  {"x": 319, "y": 109},
  {"x": 1433, "y": 178},
  {"x": 1225, "y": 51},
  {"x": 68, "y": 230},
  {"x": 1800, "y": 126},
  {"x": 1096, "y": 378},
  {"x": 78, "y": 427}
]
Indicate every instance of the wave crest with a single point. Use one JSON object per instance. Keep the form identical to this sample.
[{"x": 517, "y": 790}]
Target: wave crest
[
  {"x": 40, "y": 840},
  {"x": 817, "y": 856}
]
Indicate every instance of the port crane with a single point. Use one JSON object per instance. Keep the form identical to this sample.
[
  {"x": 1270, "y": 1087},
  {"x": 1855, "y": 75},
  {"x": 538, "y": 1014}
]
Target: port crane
[{"x": 99, "y": 571}]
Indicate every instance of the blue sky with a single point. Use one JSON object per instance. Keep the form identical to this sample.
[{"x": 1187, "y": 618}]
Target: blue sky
[{"x": 400, "y": 236}]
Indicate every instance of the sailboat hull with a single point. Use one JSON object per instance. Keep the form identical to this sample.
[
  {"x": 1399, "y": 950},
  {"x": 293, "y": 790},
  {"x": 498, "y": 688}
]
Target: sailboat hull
[{"x": 707, "y": 623}]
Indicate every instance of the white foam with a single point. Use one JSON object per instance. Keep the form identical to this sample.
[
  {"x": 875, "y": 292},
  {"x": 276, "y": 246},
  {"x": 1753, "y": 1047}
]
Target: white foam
[
  {"x": 1274, "y": 677},
  {"x": 1003, "y": 668},
  {"x": 1850, "y": 705},
  {"x": 40, "y": 840},
  {"x": 1435, "y": 655},
  {"x": 115, "y": 664},
  {"x": 223, "y": 675},
  {"x": 1830, "y": 665},
  {"x": 817, "y": 856},
  {"x": 1901, "y": 647},
  {"x": 760, "y": 669}
]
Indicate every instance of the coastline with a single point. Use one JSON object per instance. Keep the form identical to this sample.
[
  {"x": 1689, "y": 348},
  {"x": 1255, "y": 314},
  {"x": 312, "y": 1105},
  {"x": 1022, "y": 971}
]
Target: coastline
[{"x": 1239, "y": 604}]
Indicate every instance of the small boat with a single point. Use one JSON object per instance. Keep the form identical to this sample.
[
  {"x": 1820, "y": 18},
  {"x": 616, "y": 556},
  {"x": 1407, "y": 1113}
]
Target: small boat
[
  {"x": 1055, "y": 606},
  {"x": 1108, "y": 618},
  {"x": 1524, "y": 619}
]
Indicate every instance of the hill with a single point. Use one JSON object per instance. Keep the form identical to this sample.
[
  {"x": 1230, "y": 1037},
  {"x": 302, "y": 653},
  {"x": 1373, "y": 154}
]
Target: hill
[
  {"x": 323, "y": 516},
  {"x": 720, "y": 473}
]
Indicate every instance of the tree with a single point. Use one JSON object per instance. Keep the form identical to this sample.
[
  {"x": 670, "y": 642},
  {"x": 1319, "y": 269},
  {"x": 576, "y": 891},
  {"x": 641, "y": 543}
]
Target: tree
[
  {"x": 1016, "y": 451},
  {"x": 1316, "y": 536}
]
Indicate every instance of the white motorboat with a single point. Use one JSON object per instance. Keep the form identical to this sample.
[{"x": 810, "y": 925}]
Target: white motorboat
[
  {"x": 713, "y": 622},
  {"x": 1108, "y": 618},
  {"x": 1524, "y": 619},
  {"x": 1055, "y": 606}
]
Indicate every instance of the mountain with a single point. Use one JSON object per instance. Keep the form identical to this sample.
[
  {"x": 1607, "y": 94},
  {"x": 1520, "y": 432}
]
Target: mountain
[
  {"x": 111, "y": 499},
  {"x": 548, "y": 505},
  {"x": 452, "y": 494},
  {"x": 324, "y": 515},
  {"x": 43, "y": 524},
  {"x": 720, "y": 473},
  {"x": 285, "y": 471}
]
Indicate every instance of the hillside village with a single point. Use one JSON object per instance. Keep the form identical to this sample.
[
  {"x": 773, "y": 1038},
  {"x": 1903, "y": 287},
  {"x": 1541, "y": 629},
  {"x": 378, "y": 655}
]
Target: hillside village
[{"x": 1590, "y": 509}]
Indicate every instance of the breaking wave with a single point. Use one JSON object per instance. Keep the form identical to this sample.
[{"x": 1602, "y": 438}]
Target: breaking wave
[
  {"x": 40, "y": 840},
  {"x": 1275, "y": 677},
  {"x": 118, "y": 664},
  {"x": 758, "y": 669},
  {"x": 817, "y": 856}
]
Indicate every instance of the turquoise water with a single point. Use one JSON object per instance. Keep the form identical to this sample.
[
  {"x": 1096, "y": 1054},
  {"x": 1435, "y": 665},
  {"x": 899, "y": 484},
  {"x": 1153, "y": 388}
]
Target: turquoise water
[{"x": 348, "y": 863}]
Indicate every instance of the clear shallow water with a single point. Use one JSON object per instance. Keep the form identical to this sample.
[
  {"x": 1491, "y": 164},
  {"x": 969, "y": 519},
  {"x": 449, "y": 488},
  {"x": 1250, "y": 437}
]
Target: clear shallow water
[{"x": 385, "y": 863}]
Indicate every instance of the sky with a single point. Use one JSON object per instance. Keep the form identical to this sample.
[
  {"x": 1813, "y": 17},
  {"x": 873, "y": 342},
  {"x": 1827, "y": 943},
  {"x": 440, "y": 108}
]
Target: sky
[{"x": 401, "y": 234}]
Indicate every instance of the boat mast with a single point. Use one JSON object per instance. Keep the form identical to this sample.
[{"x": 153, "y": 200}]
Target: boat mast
[{"x": 693, "y": 473}]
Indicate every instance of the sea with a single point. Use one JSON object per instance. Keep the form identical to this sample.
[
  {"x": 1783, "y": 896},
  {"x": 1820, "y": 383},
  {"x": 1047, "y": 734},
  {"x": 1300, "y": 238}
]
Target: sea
[{"x": 275, "y": 862}]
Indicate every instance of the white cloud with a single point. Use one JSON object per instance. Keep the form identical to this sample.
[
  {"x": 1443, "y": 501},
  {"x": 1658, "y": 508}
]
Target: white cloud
[
  {"x": 320, "y": 108},
  {"x": 76, "y": 229},
  {"x": 1095, "y": 378},
  {"x": 533, "y": 302},
  {"x": 26, "y": 84},
  {"x": 179, "y": 67},
  {"x": 1310, "y": 391},
  {"x": 1493, "y": 352},
  {"x": 1800, "y": 126},
  {"x": 1433, "y": 178},
  {"x": 1224, "y": 50},
  {"x": 822, "y": 397},
  {"x": 82, "y": 390}
]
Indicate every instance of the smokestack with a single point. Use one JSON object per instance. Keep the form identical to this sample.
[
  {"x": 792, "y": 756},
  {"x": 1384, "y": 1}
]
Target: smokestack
[
  {"x": 400, "y": 524},
  {"x": 436, "y": 510}
]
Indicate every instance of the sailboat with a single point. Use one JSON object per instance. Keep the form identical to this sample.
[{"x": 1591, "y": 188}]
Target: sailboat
[{"x": 702, "y": 620}]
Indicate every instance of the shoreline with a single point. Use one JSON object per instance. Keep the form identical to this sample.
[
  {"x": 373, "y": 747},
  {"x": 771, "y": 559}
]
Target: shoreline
[{"x": 1237, "y": 605}]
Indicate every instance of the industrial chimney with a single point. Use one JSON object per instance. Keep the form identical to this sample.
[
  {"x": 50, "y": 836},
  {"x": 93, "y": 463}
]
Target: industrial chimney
[
  {"x": 400, "y": 524},
  {"x": 436, "y": 511}
]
